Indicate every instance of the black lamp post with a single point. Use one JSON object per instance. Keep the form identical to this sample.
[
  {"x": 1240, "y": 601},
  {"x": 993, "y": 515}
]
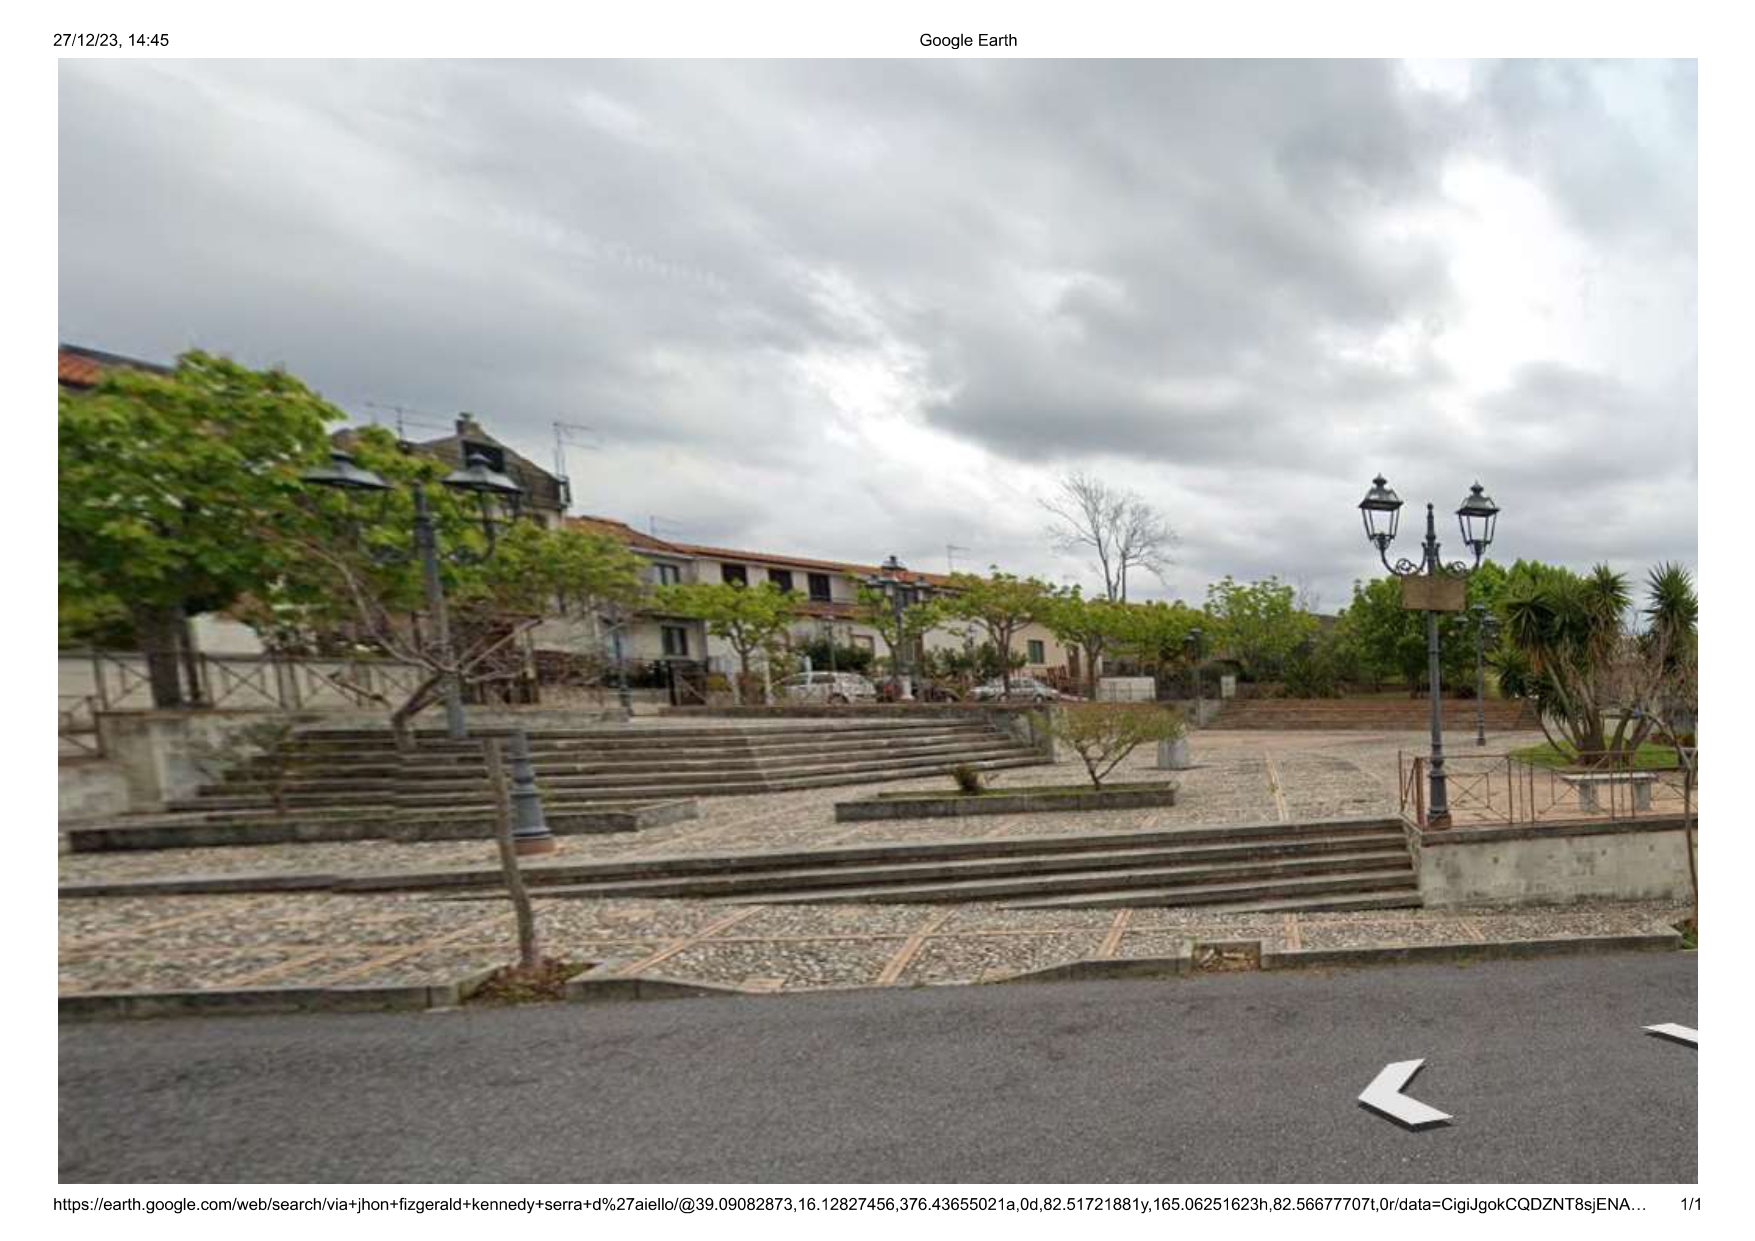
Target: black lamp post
[
  {"x": 499, "y": 499},
  {"x": 1477, "y": 518},
  {"x": 901, "y": 594},
  {"x": 1486, "y": 629},
  {"x": 1192, "y": 644}
]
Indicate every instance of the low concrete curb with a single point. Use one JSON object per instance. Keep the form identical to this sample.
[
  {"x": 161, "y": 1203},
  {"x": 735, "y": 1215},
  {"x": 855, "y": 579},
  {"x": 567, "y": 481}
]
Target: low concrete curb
[
  {"x": 1492, "y": 950},
  {"x": 97, "y": 1006},
  {"x": 1111, "y": 967},
  {"x": 1019, "y": 801},
  {"x": 602, "y": 985},
  {"x": 1183, "y": 963},
  {"x": 407, "y": 827}
]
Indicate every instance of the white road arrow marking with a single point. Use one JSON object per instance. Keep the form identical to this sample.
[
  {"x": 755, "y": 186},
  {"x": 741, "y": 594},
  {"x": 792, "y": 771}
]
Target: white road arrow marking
[
  {"x": 1384, "y": 1096},
  {"x": 1676, "y": 1033}
]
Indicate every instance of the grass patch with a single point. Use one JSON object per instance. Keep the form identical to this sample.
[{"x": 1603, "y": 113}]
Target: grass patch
[
  {"x": 1562, "y": 758},
  {"x": 1690, "y": 933}
]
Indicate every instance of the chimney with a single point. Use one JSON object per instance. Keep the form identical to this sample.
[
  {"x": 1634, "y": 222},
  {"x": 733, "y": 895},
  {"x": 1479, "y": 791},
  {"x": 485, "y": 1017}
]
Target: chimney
[{"x": 468, "y": 426}]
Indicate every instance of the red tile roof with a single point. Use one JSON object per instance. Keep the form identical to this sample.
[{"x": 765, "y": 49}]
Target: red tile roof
[
  {"x": 79, "y": 367},
  {"x": 78, "y": 372},
  {"x": 633, "y": 537}
]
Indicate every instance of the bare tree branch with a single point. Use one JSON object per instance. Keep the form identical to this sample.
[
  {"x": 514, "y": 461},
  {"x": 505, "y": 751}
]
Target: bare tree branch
[{"x": 1117, "y": 526}]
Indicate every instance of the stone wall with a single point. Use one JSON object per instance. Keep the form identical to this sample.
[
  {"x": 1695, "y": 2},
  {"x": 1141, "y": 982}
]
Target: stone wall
[
  {"x": 1554, "y": 863},
  {"x": 91, "y": 788}
]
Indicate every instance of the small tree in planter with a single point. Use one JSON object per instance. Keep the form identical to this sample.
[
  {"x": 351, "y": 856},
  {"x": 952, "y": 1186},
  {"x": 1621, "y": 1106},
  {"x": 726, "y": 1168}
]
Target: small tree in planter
[
  {"x": 1102, "y": 734},
  {"x": 263, "y": 745}
]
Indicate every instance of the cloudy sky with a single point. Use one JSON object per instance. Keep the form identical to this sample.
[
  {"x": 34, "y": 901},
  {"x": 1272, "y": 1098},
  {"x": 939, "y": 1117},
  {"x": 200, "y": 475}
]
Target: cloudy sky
[{"x": 849, "y": 309}]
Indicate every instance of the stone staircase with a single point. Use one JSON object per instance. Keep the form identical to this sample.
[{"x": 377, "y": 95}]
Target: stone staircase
[
  {"x": 1336, "y": 864},
  {"x": 1386, "y": 714},
  {"x": 338, "y": 772}
]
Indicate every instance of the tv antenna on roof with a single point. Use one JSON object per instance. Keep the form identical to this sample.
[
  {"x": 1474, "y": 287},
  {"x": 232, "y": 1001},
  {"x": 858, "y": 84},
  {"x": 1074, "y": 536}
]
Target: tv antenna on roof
[
  {"x": 566, "y": 433},
  {"x": 951, "y": 550},
  {"x": 403, "y": 421}
]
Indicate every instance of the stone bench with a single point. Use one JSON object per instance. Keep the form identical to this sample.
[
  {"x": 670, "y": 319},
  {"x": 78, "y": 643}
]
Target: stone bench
[{"x": 1588, "y": 784}]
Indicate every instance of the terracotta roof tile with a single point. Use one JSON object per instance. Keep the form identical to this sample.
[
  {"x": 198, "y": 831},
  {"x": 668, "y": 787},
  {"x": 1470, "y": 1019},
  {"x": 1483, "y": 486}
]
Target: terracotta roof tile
[
  {"x": 633, "y": 537},
  {"x": 78, "y": 372}
]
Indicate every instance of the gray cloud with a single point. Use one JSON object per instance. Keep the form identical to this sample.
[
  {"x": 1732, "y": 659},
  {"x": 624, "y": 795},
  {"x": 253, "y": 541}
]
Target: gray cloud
[{"x": 855, "y": 308}]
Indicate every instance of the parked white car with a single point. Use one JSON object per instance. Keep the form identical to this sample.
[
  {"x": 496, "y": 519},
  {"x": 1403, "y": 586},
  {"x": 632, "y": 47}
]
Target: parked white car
[
  {"x": 1026, "y": 688},
  {"x": 828, "y": 687}
]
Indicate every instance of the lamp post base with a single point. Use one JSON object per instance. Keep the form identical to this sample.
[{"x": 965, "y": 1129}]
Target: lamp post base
[
  {"x": 1438, "y": 822},
  {"x": 531, "y": 846}
]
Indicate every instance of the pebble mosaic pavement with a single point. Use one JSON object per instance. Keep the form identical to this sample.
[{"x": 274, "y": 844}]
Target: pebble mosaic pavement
[{"x": 153, "y": 943}]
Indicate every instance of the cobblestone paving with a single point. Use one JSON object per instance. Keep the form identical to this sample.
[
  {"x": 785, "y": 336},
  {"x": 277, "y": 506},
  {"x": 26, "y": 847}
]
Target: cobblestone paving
[
  {"x": 238, "y": 941},
  {"x": 1239, "y": 777},
  {"x": 155, "y": 943}
]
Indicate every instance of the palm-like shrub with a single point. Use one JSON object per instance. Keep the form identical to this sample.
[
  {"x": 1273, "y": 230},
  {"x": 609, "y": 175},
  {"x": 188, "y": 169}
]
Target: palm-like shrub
[{"x": 1595, "y": 676}]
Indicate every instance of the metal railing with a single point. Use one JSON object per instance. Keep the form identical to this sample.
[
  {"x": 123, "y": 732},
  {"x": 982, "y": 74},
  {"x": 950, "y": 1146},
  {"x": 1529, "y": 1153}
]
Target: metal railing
[
  {"x": 1486, "y": 790},
  {"x": 118, "y": 681}
]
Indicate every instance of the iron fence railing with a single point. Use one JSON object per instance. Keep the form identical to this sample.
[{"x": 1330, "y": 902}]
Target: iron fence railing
[
  {"x": 96, "y": 681},
  {"x": 1506, "y": 790}
]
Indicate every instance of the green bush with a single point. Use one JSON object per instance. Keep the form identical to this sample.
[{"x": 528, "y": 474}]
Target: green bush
[
  {"x": 967, "y": 777},
  {"x": 1102, "y": 734}
]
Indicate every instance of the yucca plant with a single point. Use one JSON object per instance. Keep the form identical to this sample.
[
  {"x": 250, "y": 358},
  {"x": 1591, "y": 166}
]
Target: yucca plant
[{"x": 1595, "y": 678}]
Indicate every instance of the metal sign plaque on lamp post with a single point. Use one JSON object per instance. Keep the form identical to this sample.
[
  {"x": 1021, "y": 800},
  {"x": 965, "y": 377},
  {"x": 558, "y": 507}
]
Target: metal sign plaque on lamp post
[{"x": 1431, "y": 586}]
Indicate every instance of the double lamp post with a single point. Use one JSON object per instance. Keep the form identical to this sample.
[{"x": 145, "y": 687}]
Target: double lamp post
[
  {"x": 499, "y": 501},
  {"x": 1431, "y": 586}
]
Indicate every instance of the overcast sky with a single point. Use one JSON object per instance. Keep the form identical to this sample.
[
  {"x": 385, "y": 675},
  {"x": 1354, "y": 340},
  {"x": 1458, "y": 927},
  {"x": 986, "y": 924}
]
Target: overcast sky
[{"x": 849, "y": 309}]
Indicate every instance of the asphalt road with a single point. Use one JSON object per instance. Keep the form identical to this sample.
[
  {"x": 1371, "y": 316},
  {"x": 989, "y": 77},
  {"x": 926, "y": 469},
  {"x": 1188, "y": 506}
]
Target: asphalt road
[{"x": 1224, "y": 1078}]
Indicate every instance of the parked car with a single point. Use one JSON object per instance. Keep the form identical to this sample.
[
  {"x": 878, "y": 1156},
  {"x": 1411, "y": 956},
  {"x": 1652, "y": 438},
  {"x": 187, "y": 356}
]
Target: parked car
[
  {"x": 1026, "y": 688},
  {"x": 828, "y": 687}
]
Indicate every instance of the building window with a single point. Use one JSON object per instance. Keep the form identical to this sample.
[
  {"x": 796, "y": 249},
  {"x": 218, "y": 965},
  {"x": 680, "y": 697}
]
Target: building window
[
  {"x": 676, "y": 640},
  {"x": 819, "y": 588},
  {"x": 669, "y": 574},
  {"x": 734, "y": 575},
  {"x": 1037, "y": 654},
  {"x": 781, "y": 578}
]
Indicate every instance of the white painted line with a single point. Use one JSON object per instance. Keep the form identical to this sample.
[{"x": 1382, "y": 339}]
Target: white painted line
[
  {"x": 1384, "y": 1096},
  {"x": 1676, "y": 1033}
]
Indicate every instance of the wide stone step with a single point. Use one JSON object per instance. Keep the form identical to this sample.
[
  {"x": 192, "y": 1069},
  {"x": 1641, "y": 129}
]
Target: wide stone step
[
  {"x": 331, "y": 742},
  {"x": 1145, "y": 889},
  {"x": 1373, "y": 850},
  {"x": 650, "y": 791},
  {"x": 1389, "y": 898},
  {"x": 1370, "y": 832},
  {"x": 586, "y": 776},
  {"x": 305, "y": 773}
]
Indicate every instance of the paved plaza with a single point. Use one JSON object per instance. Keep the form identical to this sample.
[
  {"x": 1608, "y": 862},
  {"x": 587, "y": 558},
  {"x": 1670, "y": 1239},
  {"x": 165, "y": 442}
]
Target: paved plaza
[{"x": 151, "y": 943}]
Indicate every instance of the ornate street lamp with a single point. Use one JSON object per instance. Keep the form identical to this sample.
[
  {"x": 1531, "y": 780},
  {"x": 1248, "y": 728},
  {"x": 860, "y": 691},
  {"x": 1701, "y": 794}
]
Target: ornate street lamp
[
  {"x": 1441, "y": 591},
  {"x": 499, "y": 499},
  {"x": 1486, "y": 630},
  {"x": 901, "y": 595}
]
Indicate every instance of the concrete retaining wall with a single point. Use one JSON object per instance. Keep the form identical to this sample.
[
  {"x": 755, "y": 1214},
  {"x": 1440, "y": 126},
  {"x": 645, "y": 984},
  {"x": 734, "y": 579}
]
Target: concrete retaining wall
[
  {"x": 91, "y": 788},
  {"x": 1553, "y": 864}
]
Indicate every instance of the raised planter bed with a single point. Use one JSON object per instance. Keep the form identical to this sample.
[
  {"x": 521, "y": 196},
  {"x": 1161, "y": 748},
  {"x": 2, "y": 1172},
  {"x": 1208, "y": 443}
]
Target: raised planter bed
[
  {"x": 1043, "y": 799},
  {"x": 406, "y": 826}
]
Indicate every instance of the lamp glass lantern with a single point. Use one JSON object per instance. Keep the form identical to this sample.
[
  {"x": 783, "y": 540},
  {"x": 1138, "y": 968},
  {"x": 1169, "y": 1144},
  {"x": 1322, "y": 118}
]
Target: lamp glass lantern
[
  {"x": 1381, "y": 511},
  {"x": 343, "y": 473},
  {"x": 1477, "y": 519},
  {"x": 499, "y": 498}
]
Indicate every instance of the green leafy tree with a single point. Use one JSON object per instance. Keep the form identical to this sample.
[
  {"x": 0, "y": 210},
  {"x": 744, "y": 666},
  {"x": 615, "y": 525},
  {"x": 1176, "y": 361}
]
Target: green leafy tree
[
  {"x": 1103, "y": 734},
  {"x": 1156, "y": 636},
  {"x": 1259, "y": 623},
  {"x": 750, "y": 618},
  {"x": 900, "y": 632},
  {"x": 1093, "y": 626},
  {"x": 168, "y": 484},
  {"x": 999, "y": 605}
]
